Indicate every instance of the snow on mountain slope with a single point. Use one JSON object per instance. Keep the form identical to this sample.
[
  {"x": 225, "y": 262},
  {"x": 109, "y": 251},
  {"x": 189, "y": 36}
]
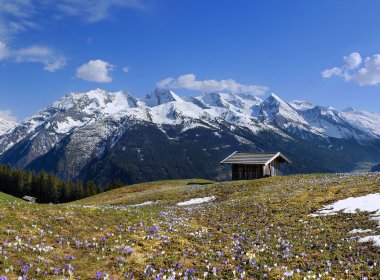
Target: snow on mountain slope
[
  {"x": 102, "y": 113},
  {"x": 221, "y": 107},
  {"x": 6, "y": 125},
  {"x": 275, "y": 110},
  {"x": 301, "y": 105},
  {"x": 160, "y": 96},
  {"x": 242, "y": 103},
  {"x": 176, "y": 112},
  {"x": 75, "y": 110},
  {"x": 363, "y": 120},
  {"x": 252, "y": 104},
  {"x": 328, "y": 121},
  {"x": 96, "y": 103}
]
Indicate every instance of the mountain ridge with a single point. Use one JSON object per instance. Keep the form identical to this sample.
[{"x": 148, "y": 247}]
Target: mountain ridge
[{"x": 80, "y": 133}]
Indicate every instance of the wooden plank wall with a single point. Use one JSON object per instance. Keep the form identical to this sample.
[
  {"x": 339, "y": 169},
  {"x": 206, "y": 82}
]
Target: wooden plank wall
[
  {"x": 246, "y": 172},
  {"x": 249, "y": 172}
]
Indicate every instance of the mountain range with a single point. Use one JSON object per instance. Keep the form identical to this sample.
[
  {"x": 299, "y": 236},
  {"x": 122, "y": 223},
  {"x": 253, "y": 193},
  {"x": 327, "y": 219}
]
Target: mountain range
[{"x": 105, "y": 136}]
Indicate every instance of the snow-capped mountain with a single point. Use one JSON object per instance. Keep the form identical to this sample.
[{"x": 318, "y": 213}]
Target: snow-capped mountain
[
  {"x": 44, "y": 130},
  {"x": 276, "y": 111},
  {"x": 101, "y": 135},
  {"x": 161, "y": 96},
  {"x": 6, "y": 125},
  {"x": 363, "y": 120}
]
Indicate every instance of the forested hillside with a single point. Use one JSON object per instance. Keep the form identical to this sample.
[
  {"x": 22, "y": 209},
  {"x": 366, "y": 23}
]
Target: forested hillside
[{"x": 46, "y": 187}]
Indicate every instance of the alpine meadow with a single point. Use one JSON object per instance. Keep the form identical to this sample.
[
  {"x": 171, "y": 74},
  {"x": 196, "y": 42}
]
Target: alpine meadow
[{"x": 194, "y": 140}]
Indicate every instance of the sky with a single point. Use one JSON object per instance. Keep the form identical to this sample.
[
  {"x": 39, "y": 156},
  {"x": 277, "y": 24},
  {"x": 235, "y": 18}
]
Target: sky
[{"x": 326, "y": 52}]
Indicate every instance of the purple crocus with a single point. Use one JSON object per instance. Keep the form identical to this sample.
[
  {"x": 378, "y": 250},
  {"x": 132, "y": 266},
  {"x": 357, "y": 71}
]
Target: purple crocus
[{"x": 98, "y": 275}]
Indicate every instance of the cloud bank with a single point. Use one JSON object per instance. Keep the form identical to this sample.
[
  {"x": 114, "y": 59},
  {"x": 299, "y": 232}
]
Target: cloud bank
[
  {"x": 7, "y": 115},
  {"x": 362, "y": 71},
  {"x": 49, "y": 58},
  {"x": 95, "y": 71},
  {"x": 190, "y": 82}
]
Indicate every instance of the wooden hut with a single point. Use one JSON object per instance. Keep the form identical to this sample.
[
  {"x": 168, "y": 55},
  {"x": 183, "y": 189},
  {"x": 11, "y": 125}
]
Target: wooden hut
[
  {"x": 248, "y": 166},
  {"x": 30, "y": 199}
]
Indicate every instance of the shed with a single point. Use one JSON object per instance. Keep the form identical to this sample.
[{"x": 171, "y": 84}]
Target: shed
[
  {"x": 248, "y": 166},
  {"x": 30, "y": 199}
]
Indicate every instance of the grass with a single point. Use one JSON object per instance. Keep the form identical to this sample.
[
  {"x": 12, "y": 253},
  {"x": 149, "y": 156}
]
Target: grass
[
  {"x": 200, "y": 182},
  {"x": 253, "y": 229},
  {"x": 363, "y": 166},
  {"x": 10, "y": 198}
]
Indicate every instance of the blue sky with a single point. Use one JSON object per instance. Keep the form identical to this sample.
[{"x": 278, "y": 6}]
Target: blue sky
[{"x": 48, "y": 50}]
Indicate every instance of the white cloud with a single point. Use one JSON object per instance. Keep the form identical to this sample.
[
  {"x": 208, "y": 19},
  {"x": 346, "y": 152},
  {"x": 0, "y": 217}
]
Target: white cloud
[
  {"x": 95, "y": 71},
  {"x": 21, "y": 15},
  {"x": 17, "y": 16},
  {"x": 4, "y": 51},
  {"x": 51, "y": 60},
  {"x": 369, "y": 74},
  {"x": 44, "y": 55},
  {"x": 190, "y": 82},
  {"x": 55, "y": 65},
  {"x": 93, "y": 11},
  {"x": 353, "y": 60},
  {"x": 7, "y": 115},
  {"x": 328, "y": 73},
  {"x": 126, "y": 69}
]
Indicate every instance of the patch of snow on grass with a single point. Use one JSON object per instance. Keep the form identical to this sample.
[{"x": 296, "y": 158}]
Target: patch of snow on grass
[
  {"x": 360, "y": 231},
  {"x": 374, "y": 238},
  {"x": 142, "y": 204},
  {"x": 196, "y": 201},
  {"x": 369, "y": 203}
]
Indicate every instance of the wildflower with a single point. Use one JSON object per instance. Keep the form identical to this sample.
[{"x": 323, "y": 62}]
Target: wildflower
[
  {"x": 128, "y": 251},
  {"x": 25, "y": 268}
]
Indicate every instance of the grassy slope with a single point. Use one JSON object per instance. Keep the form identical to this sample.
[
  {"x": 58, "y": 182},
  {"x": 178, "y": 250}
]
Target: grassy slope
[
  {"x": 10, "y": 198},
  {"x": 253, "y": 228}
]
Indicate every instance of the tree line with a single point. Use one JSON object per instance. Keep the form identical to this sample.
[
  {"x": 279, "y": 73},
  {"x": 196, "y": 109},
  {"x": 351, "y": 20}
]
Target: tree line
[{"x": 46, "y": 187}]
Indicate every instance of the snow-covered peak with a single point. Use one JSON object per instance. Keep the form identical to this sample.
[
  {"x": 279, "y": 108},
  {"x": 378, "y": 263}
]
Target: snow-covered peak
[
  {"x": 213, "y": 99},
  {"x": 274, "y": 108},
  {"x": 6, "y": 125},
  {"x": 96, "y": 100},
  {"x": 79, "y": 110},
  {"x": 69, "y": 113},
  {"x": 275, "y": 97},
  {"x": 301, "y": 105},
  {"x": 242, "y": 103},
  {"x": 330, "y": 123},
  {"x": 249, "y": 97},
  {"x": 161, "y": 96},
  {"x": 348, "y": 109},
  {"x": 363, "y": 120},
  {"x": 176, "y": 112}
]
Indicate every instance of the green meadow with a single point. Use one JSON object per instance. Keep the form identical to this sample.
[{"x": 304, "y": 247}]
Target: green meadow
[{"x": 260, "y": 229}]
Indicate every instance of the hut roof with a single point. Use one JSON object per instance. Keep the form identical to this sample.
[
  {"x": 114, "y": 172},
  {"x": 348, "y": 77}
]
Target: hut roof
[
  {"x": 29, "y": 198},
  {"x": 253, "y": 158}
]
